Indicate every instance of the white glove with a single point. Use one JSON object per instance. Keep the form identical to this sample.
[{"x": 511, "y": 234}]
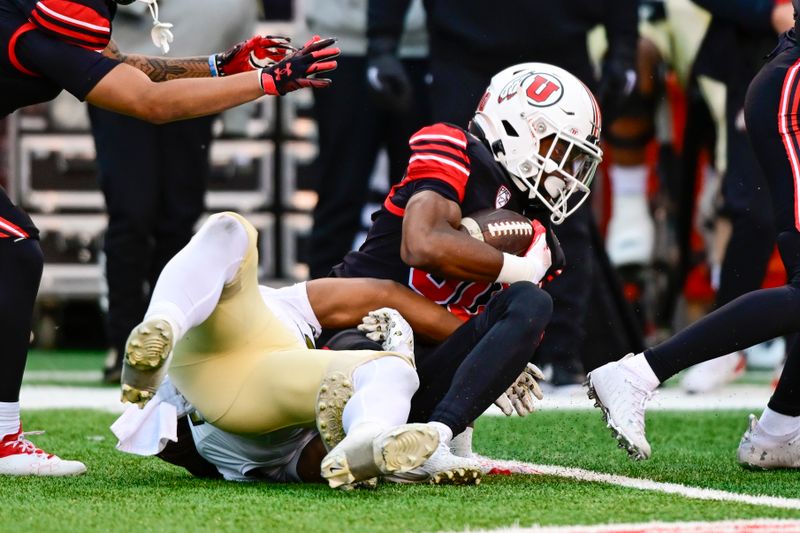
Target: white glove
[
  {"x": 387, "y": 326},
  {"x": 519, "y": 396},
  {"x": 533, "y": 265}
]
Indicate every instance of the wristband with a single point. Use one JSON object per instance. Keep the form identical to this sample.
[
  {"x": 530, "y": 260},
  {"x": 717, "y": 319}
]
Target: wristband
[
  {"x": 515, "y": 269},
  {"x": 212, "y": 65}
]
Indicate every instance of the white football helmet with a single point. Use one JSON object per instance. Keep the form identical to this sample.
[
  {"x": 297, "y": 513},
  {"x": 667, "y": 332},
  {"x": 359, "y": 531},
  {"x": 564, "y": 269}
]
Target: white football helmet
[{"x": 543, "y": 125}]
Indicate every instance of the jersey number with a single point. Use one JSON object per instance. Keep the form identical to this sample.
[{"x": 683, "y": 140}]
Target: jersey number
[{"x": 462, "y": 298}]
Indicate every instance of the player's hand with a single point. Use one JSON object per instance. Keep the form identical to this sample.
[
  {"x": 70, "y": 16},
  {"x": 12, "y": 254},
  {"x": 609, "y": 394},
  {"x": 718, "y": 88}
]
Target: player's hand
[
  {"x": 539, "y": 253},
  {"x": 389, "y": 83},
  {"x": 617, "y": 83},
  {"x": 387, "y": 326},
  {"x": 301, "y": 68},
  {"x": 257, "y": 52},
  {"x": 520, "y": 395}
]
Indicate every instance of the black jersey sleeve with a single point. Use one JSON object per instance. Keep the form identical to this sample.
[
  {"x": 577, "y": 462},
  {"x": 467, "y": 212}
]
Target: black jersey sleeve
[
  {"x": 748, "y": 14},
  {"x": 71, "y": 67},
  {"x": 385, "y": 20}
]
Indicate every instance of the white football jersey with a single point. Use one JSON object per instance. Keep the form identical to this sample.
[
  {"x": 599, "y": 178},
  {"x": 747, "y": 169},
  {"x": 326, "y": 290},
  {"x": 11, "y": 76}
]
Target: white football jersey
[{"x": 271, "y": 457}]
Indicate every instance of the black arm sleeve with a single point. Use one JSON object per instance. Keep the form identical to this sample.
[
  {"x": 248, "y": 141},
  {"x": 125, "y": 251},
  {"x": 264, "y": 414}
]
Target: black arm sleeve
[
  {"x": 71, "y": 67},
  {"x": 621, "y": 21},
  {"x": 748, "y": 14},
  {"x": 385, "y": 21}
]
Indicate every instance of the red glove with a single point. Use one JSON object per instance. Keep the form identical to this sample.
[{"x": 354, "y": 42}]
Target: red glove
[
  {"x": 257, "y": 52},
  {"x": 299, "y": 69}
]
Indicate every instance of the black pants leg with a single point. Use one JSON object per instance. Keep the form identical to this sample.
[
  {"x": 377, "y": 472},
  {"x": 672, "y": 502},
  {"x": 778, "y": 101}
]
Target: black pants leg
[
  {"x": 747, "y": 205},
  {"x": 763, "y": 314},
  {"x": 21, "y": 270},
  {"x": 465, "y": 374},
  {"x": 153, "y": 179}
]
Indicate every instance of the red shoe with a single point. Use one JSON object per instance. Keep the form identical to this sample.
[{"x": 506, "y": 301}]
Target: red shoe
[{"x": 20, "y": 457}]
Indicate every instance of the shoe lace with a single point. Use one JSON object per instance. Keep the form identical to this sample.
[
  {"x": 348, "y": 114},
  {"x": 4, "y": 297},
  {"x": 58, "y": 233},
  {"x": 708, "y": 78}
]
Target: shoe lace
[
  {"x": 26, "y": 446},
  {"x": 642, "y": 396}
]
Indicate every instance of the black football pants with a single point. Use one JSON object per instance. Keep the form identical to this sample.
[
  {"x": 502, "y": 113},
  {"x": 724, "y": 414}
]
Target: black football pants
[
  {"x": 154, "y": 179},
  {"x": 20, "y": 272},
  {"x": 771, "y": 107},
  {"x": 463, "y": 376}
]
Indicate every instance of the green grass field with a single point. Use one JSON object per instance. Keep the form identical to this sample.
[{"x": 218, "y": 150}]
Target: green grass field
[
  {"x": 143, "y": 494},
  {"x": 696, "y": 449}
]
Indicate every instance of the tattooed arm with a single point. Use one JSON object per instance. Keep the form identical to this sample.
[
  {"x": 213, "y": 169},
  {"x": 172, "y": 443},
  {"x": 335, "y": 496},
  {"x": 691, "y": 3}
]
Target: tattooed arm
[{"x": 161, "y": 68}]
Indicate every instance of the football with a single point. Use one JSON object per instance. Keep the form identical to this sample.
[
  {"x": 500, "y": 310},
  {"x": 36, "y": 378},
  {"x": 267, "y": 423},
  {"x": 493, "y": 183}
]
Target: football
[{"x": 502, "y": 229}]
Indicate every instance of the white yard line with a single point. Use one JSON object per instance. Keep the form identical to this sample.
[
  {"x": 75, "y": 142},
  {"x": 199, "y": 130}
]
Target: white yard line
[
  {"x": 726, "y": 526},
  {"x": 695, "y": 493},
  {"x": 732, "y": 397},
  {"x": 56, "y": 397}
]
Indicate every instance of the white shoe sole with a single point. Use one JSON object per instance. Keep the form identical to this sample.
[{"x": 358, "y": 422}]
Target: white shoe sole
[
  {"x": 399, "y": 450},
  {"x": 634, "y": 452}
]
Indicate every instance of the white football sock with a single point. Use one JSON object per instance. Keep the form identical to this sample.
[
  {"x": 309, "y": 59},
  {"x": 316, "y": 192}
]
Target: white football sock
[
  {"x": 445, "y": 433},
  {"x": 629, "y": 180},
  {"x": 9, "y": 418},
  {"x": 382, "y": 394},
  {"x": 189, "y": 287},
  {"x": 639, "y": 366},
  {"x": 778, "y": 425}
]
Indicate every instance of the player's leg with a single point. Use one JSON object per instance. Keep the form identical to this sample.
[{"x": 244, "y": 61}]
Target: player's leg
[
  {"x": 185, "y": 295},
  {"x": 129, "y": 182},
  {"x": 20, "y": 269},
  {"x": 622, "y": 388},
  {"x": 468, "y": 372}
]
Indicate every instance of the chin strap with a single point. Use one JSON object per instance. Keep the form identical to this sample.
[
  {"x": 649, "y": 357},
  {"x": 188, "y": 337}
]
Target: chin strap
[{"x": 160, "y": 34}]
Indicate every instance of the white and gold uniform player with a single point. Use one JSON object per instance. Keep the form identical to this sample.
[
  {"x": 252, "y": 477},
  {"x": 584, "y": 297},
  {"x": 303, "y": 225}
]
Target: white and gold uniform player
[{"x": 241, "y": 356}]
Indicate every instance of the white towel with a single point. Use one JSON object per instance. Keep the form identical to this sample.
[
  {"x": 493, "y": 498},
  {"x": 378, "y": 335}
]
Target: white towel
[{"x": 146, "y": 431}]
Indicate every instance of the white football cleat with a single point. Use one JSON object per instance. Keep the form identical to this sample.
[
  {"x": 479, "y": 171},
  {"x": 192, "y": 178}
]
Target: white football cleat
[
  {"x": 367, "y": 453},
  {"x": 760, "y": 450},
  {"x": 715, "y": 373},
  {"x": 622, "y": 396},
  {"x": 20, "y": 457},
  {"x": 147, "y": 349},
  {"x": 630, "y": 238},
  {"x": 443, "y": 468}
]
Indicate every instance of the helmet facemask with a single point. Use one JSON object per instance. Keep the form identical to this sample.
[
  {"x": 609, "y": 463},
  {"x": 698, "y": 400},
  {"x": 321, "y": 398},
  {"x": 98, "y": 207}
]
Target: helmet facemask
[{"x": 560, "y": 173}]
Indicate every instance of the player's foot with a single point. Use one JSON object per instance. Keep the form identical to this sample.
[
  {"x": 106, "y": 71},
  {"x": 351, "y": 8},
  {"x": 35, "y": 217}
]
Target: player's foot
[
  {"x": 20, "y": 457},
  {"x": 710, "y": 375},
  {"x": 146, "y": 351},
  {"x": 443, "y": 468},
  {"x": 622, "y": 396},
  {"x": 368, "y": 453},
  {"x": 630, "y": 237},
  {"x": 760, "y": 450}
]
